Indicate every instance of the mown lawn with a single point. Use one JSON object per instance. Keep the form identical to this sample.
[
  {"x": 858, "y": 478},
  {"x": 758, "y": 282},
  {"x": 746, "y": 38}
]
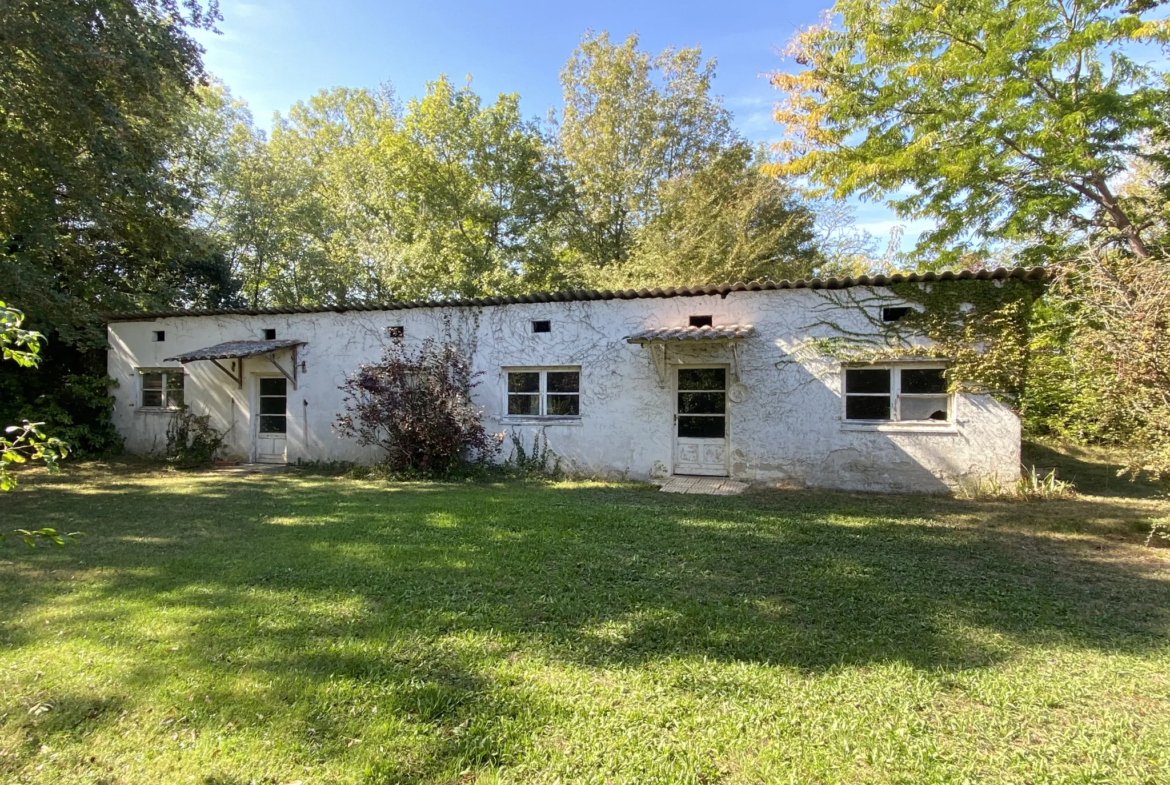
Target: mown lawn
[{"x": 277, "y": 629}]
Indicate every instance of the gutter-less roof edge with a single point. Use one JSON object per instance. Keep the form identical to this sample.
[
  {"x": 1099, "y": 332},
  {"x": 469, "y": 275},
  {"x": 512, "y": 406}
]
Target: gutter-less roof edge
[{"x": 578, "y": 295}]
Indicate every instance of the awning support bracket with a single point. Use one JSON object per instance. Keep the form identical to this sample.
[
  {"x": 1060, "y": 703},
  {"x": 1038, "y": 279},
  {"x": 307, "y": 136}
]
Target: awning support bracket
[
  {"x": 238, "y": 376},
  {"x": 658, "y": 357},
  {"x": 292, "y": 377},
  {"x": 735, "y": 360}
]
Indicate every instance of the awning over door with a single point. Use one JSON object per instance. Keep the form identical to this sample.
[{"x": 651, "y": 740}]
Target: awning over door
[
  {"x": 238, "y": 350},
  {"x": 656, "y": 341}
]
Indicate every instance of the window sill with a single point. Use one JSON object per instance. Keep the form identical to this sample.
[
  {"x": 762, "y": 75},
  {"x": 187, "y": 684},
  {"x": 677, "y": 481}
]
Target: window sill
[
  {"x": 513, "y": 420},
  {"x": 152, "y": 410},
  {"x": 899, "y": 427}
]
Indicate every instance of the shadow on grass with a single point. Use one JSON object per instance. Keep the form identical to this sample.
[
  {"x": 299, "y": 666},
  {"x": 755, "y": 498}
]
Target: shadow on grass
[{"x": 437, "y": 585}]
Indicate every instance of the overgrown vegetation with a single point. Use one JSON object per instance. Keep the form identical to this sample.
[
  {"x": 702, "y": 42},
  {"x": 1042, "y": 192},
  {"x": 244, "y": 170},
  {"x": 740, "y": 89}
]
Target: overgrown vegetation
[
  {"x": 192, "y": 441},
  {"x": 416, "y": 406}
]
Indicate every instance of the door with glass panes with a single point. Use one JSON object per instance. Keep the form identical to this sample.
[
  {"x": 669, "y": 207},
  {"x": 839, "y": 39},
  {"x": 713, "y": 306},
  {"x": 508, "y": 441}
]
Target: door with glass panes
[
  {"x": 271, "y": 421},
  {"x": 700, "y": 421}
]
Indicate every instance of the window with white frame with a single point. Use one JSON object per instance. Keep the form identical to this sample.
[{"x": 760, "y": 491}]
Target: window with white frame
[
  {"x": 160, "y": 388},
  {"x": 901, "y": 393},
  {"x": 544, "y": 392}
]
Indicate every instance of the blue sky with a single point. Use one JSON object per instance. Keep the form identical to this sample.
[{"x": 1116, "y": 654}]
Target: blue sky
[{"x": 273, "y": 53}]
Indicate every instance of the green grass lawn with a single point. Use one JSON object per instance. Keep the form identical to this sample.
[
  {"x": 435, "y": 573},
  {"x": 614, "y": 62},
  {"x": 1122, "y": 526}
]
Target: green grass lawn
[{"x": 276, "y": 629}]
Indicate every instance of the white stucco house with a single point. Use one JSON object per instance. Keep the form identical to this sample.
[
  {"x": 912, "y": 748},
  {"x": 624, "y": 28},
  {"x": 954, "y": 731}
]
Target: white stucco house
[{"x": 649, "y": 383}]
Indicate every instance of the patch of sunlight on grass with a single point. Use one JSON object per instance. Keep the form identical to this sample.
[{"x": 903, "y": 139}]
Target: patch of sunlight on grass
[{"x": 442, "y": 520}]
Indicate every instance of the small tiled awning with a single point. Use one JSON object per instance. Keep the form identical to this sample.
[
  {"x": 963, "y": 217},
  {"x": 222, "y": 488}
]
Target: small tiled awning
[
  {"x": 656, "y": 340},
  {"x": 718, "y": 332},
  {"x": 238, "y": 350},
  {"x": 235, "y": 349}
]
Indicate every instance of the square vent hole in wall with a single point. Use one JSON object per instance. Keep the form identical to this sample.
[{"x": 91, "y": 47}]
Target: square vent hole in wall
[
  {"x": 396, "y": 331},
  {"x": 542, "y": 326},
  {"x": 269, "y": 334},
  {"x": 158, "y": 336},
  {"x": 894, "y": 314},
  {"x": 701, "y": 321}
]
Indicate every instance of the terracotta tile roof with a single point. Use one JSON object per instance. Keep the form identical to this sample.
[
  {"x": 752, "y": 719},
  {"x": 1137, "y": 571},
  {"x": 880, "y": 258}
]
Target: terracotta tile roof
[
  {"x": 719, "y": 332},
  {"x": 231, "y": 349},
  {"x": 1022, "y": 273}
]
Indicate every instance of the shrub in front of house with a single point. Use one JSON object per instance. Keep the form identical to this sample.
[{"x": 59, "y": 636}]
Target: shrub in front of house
[{"x": 416, "y": 406}]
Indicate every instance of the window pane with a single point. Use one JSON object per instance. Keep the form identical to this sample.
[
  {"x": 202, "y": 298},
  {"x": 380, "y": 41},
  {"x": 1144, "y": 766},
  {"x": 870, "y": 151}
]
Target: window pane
[
  {"x": 153, "y": 398},
  {"x": 701, "y": 402},
  {"x": 272, "y": 405},
  {"x": 564, "y": 381},
  {"x": 174, "y": 381},
  {"x": 867, "y": 380},
  {"x": 524, "y": 382},
  {"x": 564, "y": 405},
  {"x": 175, "y": 399},
  {"x": 923, "y": 381},
  {"x": 272, "y": 423},
  {"x": 700, "y": 427},
  {"x": 272, "y": 386},
  {"x": 152, "y": 381},
  {"x": 924, "y": 408},
  {"x": 526, "y": 405},
  {"x": 702, "y": 378},
  {"x": 867, "y": 407}
]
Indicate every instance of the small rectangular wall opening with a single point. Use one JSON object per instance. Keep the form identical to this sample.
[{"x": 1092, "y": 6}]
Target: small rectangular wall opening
[
  {"x": 396, "y": 331},
  {"x": 541, "y": 326},
  {"x": 701, "y": 321},
  {"x": 158, "y": 336},
  {"x": 893, "y": 314},
  {"x": 269, "y": 334}
]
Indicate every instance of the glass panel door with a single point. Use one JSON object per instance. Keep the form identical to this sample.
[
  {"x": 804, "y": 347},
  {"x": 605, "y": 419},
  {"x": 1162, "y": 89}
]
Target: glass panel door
[{"x": 273, "y": 405}]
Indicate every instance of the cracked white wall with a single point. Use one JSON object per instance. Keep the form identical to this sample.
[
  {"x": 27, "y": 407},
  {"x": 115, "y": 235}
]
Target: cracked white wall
[{"x": 790, "y": 428}]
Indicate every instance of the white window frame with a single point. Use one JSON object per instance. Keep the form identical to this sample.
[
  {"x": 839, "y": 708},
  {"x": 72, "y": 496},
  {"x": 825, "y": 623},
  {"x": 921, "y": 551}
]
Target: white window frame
[
  {"x": 896, "y": 395},
  {"x": 543, "y": 370},
  {"x": 166, "y": 403}
]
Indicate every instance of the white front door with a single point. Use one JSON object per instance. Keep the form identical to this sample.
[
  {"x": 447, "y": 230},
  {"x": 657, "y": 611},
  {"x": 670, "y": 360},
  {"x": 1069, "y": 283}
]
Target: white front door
[
  {"x": 700, "y": 421},
  {"x": 271, "y": 420}
]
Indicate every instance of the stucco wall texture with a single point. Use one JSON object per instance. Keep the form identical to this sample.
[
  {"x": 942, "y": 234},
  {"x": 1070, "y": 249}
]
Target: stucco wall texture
[{"x": 790, "y": 428}]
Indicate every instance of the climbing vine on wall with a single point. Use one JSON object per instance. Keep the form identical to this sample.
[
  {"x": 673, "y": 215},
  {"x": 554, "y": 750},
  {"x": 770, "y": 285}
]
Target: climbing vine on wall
[{"x": 980, "y": 328}]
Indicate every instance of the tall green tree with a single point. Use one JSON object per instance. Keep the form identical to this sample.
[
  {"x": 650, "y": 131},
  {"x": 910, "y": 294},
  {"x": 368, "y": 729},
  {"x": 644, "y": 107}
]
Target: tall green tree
[
  {"x": 726, "y": 222},
  {"x": 632, "y": 122},
  {"x": 1000, "y": 121},
  {"x": 92, "y": 96}
]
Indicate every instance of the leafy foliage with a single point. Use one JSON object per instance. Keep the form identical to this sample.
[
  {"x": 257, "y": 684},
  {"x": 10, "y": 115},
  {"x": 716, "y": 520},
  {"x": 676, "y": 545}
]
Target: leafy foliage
[
  {"x": 1001, "y": 121},
  {"x": 192, "y": 441},
  {"x": 416, "y": 406},
  {"x": 25, "y": 442}
]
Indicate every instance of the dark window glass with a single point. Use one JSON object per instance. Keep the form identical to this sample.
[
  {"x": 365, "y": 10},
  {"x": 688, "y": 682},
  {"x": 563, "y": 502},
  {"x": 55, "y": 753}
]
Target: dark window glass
[
  {"x": 272, "y": 386},
  {"x": 152, "y": 381},
  {"x": 701, "y": 402},
  {"x": 867, "y": 407},
  {"x": 152, "y": 398},
  {"x": 564, "y": 381},
  {"x": 269, "y": 334},
  {"x": 525, "y": 382},
  {"x": 272, "y": 423},
  {"x": 272, "y": 405},
  {"x": 175, "y": 390},
  {"x": 527, "y": 405},
  {"x": 700, "y": 427},
  {"x": 542, "y": 326},
  {"x": 702, "y": 378},
  {"x": 923, "y": 381},
  {"x": 564, "y": 405},
  {"x": 894, "y": 314},
  {"x": 867, "y": 380},
  {"x": 700, "y": 321}
]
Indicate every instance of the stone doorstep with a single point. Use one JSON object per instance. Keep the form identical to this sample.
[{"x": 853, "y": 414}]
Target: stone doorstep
[{"x": 710, "y": 486}]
